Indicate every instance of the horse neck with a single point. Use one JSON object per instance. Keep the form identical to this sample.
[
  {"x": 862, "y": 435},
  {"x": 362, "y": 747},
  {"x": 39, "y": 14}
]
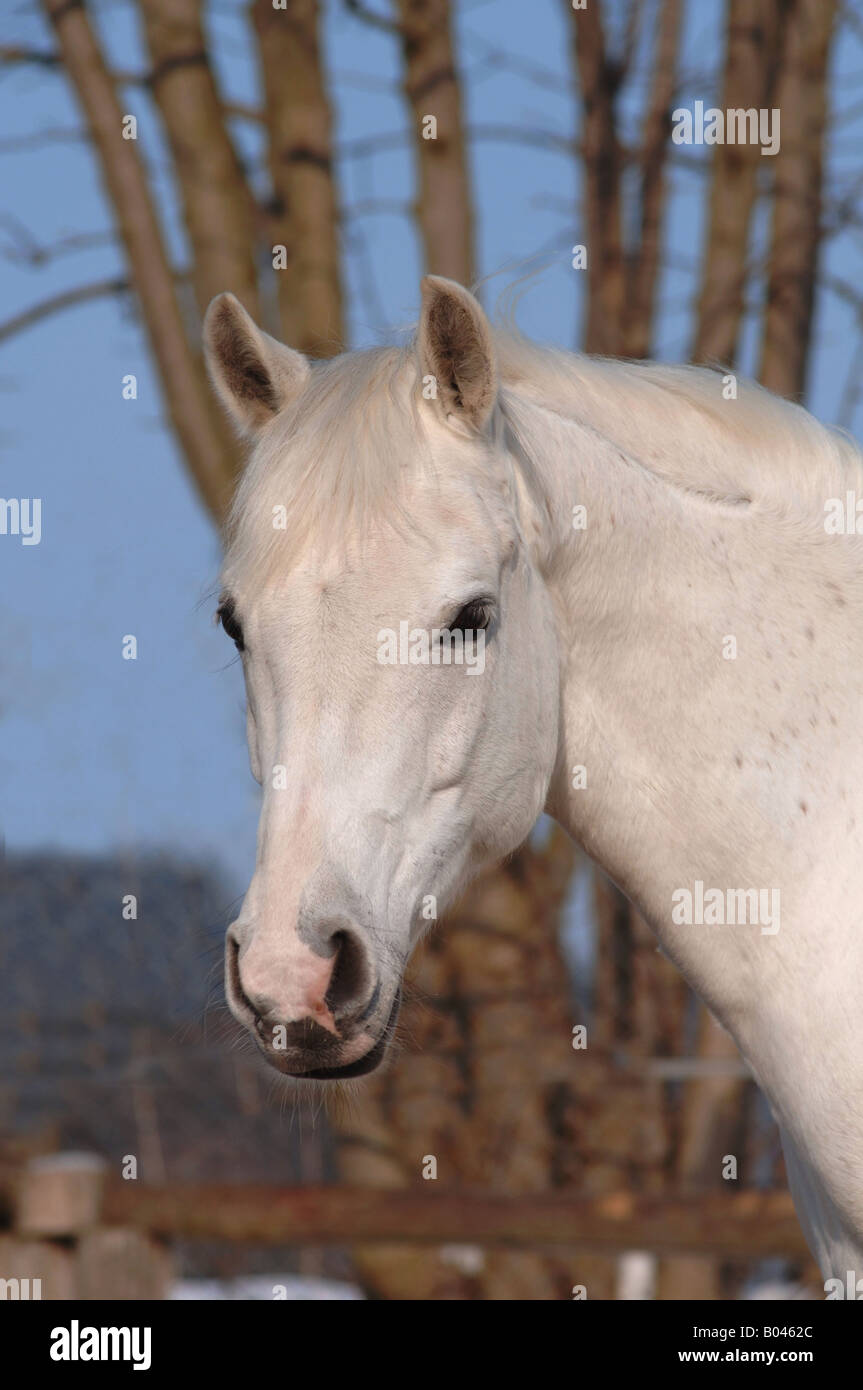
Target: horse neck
[
  {"x": 739, "y": 771},
  {"x": 701, "y": 764}
]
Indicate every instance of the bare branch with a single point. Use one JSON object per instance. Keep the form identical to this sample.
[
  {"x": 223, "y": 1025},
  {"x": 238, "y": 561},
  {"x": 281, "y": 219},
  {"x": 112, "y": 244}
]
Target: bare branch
[
  {"x": 498, "y": 59},
  {"x": 67, "y": 299},
  {"x": 28, "y": 251},
  {"x": 14, "y": 54},
  {"x": 550, "y": 141},
  {"x": 34, "y": 139},
  {"x": 371, "y": 17},
  {"x": 852, "y": 391},
  {"x": 631, "y": 33},
  {"x": 377, "y": 207}
]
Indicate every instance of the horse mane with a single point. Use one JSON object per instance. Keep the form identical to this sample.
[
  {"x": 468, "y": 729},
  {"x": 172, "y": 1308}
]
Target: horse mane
[
  {"x": 758, "y": 448},
  {"x": 335, "y": 460}
]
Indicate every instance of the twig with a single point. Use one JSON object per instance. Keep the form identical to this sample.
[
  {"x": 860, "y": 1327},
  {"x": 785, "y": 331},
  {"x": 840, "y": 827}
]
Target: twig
[
  {"x": 371, "y": 17},
  {"x": 29, "y": 251},
  {"x": 14, "y": 53},
  {"x": 67, "y": 299}
]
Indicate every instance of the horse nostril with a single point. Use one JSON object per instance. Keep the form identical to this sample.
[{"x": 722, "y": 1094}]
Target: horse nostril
[
  {"x": 351, "y": 979},
  {"x": 232, "y": 969},
  {"x": 327, "y": 986},
  {"x": 260, "y": 1006}
]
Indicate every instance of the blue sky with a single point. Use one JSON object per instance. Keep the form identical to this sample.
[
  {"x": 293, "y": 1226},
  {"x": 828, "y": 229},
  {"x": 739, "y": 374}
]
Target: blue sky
[{"x": 99, "y": 753}]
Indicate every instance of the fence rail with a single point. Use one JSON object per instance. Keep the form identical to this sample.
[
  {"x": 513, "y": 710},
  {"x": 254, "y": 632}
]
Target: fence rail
[
  {"x": 69, "y": 1230},
  {"x": 747, "y": 1224}
]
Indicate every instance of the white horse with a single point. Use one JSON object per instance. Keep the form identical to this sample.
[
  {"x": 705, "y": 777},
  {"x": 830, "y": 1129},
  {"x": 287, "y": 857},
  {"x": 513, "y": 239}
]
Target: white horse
[{"x": 670, "y": 641}]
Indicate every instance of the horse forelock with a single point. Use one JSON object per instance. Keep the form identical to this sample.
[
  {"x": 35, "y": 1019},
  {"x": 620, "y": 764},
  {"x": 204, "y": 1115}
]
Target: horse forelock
[{"x": 330, "y": 465}]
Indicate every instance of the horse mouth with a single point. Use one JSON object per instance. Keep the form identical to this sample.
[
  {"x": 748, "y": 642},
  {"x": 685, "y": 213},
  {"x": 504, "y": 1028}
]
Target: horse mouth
[
  {"x": 363, "y": 1065},
  {"x": 360, "y": 1066}
]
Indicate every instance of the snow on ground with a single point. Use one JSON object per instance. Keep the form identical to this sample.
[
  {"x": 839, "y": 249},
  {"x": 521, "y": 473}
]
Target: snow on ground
[{"x": 267, "y": 1288}]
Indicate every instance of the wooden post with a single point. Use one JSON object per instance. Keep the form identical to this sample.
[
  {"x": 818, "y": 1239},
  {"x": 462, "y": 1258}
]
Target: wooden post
[
  {"x": 60, "y": 1194},
  {"x": 122, "y": 1264},
  {"x": 60, "y": 1197},
  {"x": 31, "y": 1270}
]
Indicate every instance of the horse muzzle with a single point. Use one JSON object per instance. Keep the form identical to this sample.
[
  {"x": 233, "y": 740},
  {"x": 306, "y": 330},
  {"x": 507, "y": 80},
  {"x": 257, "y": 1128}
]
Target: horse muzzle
[{"x": 320, "y": 1029}]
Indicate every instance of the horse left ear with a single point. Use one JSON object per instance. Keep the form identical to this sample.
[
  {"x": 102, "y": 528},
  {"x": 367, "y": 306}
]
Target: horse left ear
[{"x": 456, "y": 348}]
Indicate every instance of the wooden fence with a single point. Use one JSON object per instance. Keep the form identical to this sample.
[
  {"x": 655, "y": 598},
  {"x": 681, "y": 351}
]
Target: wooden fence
[{"x": 83, "y": 1236}]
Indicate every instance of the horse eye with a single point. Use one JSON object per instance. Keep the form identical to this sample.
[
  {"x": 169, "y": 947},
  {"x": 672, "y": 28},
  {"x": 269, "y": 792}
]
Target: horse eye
[
  {"x": 231, "y": 623},
  {"x": 474, "y": 617}
]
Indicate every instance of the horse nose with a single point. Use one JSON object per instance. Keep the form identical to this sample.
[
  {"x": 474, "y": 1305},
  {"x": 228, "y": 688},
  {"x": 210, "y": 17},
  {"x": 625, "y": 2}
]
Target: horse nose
[
  {"x": 325, "y": 985},
  {"x": 328, "y": 924}
]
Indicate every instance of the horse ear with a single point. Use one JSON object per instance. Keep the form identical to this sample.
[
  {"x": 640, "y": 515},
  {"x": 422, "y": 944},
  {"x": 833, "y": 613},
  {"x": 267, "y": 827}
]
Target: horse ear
[
  {"x": 254, "y": 375},
  {"x": 456, "y": 348}
]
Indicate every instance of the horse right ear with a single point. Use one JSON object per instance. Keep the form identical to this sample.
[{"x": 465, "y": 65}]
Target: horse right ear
[{"x": 254, "y": 376}]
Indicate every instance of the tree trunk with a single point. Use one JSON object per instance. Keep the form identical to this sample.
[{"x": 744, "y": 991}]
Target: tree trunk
[
  {"x": 753, "y": 43},
  {"x": 599, "y": 78},
  {"x": 211, "y": 460},
  {"x": 305, "y": 217},
  {"x": 642, "y": 265},
  {"x": 218, "y": 208},
  {"x": 795, "y": 237},
  {"x": 431, "y": 86}
]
